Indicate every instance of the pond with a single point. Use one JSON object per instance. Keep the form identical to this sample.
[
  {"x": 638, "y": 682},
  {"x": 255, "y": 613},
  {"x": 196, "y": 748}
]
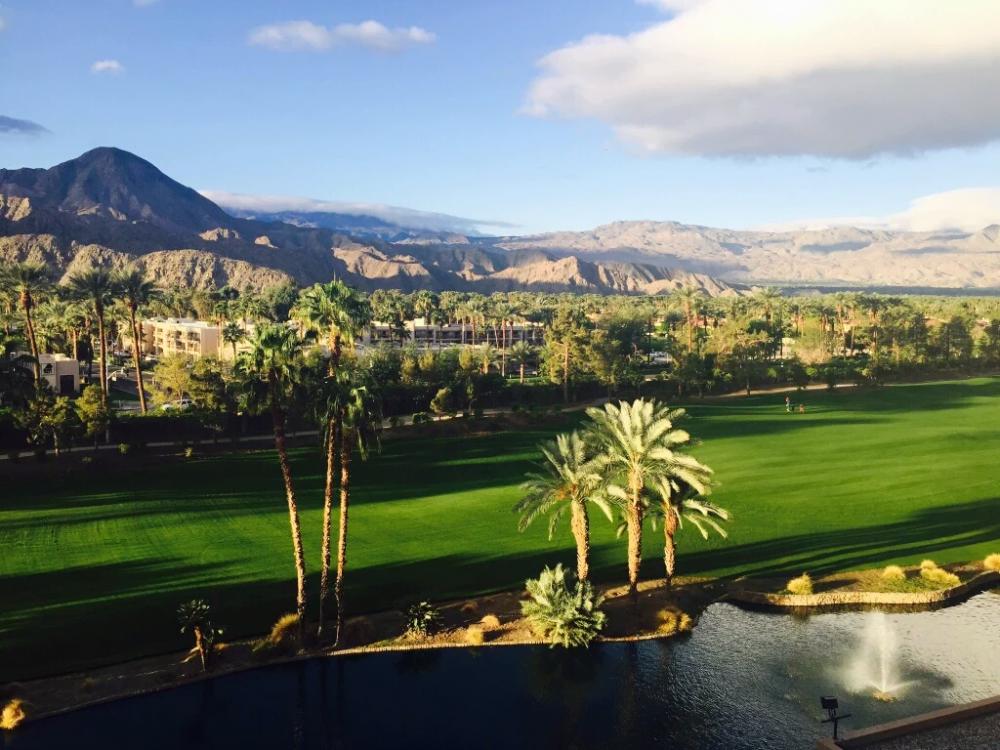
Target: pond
[{"x": 741, "y": 679}]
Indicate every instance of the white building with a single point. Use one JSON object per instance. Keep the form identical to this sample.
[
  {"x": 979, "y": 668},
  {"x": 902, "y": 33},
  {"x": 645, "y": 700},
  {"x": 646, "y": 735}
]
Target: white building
[
  {"x": 62, "y": 373},
  {"x": 431, "y": 336}
]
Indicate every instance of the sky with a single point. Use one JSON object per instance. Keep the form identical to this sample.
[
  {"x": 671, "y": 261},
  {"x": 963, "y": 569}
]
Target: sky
[{"x": 525, "y": 116}]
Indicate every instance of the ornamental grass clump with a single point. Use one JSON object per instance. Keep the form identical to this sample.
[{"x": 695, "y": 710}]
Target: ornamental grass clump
[
  {"x": 893, "y": 574},
  {"x": 992, "y": 562},
  {"x": 562, "y": 615},
  {"x": 928, "y": 565},
  {"x": 940, "y": 577},
  {"x": 490, "y": 622},
  {"x": 801, "y": 586},
  {"x": 474, "y": 635},
  {"x": 12, "y": 715},
  {"x": 284, "y": 636}
]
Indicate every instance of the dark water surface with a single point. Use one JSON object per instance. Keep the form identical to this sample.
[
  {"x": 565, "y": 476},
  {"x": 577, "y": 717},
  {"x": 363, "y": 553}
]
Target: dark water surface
[{"x": 740, "y": 680}]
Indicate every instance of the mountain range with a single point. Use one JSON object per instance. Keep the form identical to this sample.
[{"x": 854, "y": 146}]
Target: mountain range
[{"x": 109, "y": 206}]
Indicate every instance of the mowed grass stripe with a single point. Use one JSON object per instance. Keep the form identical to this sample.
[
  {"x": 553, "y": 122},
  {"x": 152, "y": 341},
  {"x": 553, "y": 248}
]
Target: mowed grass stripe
[{"x": 94, "y": 566}]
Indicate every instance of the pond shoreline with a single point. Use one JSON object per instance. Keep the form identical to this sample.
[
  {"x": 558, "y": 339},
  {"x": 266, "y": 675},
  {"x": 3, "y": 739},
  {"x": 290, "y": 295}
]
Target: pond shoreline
[{"x": 659, "y": 612}]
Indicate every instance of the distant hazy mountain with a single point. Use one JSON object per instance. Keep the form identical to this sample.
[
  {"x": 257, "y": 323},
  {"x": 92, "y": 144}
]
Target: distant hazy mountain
[
  {"x": 829, "y": 257},
  {"x": 109, "y": 206}
]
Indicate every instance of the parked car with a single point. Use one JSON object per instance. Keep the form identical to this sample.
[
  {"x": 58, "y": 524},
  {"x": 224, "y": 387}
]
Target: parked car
[{"x": 180, "y": 404}]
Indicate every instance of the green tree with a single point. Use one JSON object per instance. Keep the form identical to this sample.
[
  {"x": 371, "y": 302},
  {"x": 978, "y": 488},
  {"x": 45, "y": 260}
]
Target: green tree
[
  {"x": 639, "y": 449},
  {"x": 565, "y": 344},
  {"x": 267, "y": 373},
  {"x": 521, "y": 352},
  {"x": 93, "y": 413},
  {"x": 570, "y": 478},
  {"x": 232, "y": 334}
]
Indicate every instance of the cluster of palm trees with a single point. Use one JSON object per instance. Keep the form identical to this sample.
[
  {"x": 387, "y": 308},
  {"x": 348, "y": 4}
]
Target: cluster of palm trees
[
  {"x": 275, "y": 376},
  {"x": 83, "y": 299},
  {"x": 629, "y": 460}
]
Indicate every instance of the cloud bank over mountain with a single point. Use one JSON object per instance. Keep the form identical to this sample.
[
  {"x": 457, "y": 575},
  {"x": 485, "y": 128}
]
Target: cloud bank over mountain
[
  {"x": 293, "y": 36},
  {"x": 830, "y": 78},
  {"x": 407, "y": 217}
]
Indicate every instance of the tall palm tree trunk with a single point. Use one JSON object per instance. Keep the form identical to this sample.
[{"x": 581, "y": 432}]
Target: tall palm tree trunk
[
  {"x": 634, "y": 522},
  {"x": 278, "y": 419},
  {"x": 581, "y": 532},
  {"x": 29, "y": 326},
  {"x": 103, "y": 364},
  {"x": 565, "y": 382},
  {"x": 332, "y": 452},
  {"x": 137, "y": 357},
  {"x": 345, "y": 500},
  {"x": 669, "y": 545}
]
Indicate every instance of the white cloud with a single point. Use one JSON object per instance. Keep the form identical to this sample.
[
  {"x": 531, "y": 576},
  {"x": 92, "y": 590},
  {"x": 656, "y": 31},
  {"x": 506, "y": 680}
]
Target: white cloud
[
  {"x": 107, "y": 66},
  {"x": 308, "y": 36},
  {"x": 260, "y": 204},
  {"x": 965, "y": 209},
  {"x": 839, "y": 78}
]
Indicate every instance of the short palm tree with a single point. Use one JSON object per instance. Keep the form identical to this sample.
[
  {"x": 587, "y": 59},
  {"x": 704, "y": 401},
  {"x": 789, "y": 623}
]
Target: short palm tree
[
  {"x": 96, "y": 288},
  {"x": 677, "y": 503},
  {"x": 570, "y": 479},
  {"x": 136, "y": 291},
  {"x": 267, "y": 373},
  {"x": 520, "y": 354},
  {"x": 28, "y": 282},
  {"x": 639, "y": 450}
]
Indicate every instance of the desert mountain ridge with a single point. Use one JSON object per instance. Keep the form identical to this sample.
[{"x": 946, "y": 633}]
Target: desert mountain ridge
[{"x": 110, "y": 206}]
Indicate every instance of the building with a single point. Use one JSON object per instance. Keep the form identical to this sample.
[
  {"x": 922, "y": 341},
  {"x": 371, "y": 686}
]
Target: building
[
  {"x": 431, "y": 336},
  {"x": 62, "y": 373},
  {"x": 162, "y": 337}
]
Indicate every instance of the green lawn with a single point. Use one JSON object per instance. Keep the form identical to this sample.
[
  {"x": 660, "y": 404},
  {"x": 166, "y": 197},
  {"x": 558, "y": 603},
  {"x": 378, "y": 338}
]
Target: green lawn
[{"x": 92, "y": 567}]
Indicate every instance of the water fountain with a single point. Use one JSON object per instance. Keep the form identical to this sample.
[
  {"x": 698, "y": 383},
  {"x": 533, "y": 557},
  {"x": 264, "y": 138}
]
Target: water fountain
[{"x": 876, "y": 668}]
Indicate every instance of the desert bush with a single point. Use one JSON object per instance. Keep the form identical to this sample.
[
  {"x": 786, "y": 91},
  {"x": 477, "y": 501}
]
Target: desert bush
[
  {"x": 801, "y": 586},
  {"x": 927, "y": 565},
  {"x": 195, "y": 617},
  {"x": 893, "y": 573},
  {"x": 474, "y": 635},
  {"x": 124, "y": 448},
  {"x": 422, "y": 618},
  {"x": 940, "y": 577},
  {"x": 13, "y": 714},
  {"x": 490, "y": 622},
  {"x": 992, "y": 562},
  {"x": 563, "y": 615},
  {"x": 670, "y": 621},
  {"x": 421, "y": 417},
  {"x": 469, "y": 608},
  {"x": 284, "y": 635},
  {"x": 189, "y": 452}
]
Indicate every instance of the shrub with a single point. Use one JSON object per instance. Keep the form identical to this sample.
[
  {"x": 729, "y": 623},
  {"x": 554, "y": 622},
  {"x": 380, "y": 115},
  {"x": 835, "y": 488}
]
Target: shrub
[
  {"x": 474, "y": 635},
  {"x": 13, "y": 714},
  {"x": 394, "y": 421},
  {"x": 124, "y": 448},
  {"x": 189, "y": 452},
  {"x": 893, "y": 573},
  {"x": 195, "y": 617},
  {"x": 927, "y": 565},
  {"x": 469, "y": 608},
  {"x": 421, "y": 417},
  {"x": 801, "y": 586},
  {"x": 940, "y": 577},
  {"x": 284, "y": 635},
  {"x": 422, "y": 618},
  {"x": 562, "y": 615},
  {"x": 490, "y": 622},
  {"x": 992, "y": 562}
]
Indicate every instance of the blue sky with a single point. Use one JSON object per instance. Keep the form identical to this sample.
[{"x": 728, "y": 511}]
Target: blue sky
[{"x": 461, "y": 118}]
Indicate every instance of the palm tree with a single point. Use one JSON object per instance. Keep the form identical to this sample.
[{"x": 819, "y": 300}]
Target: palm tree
[
  {"x": 339, "y": 313},
  {"x": 267, "y": 373},
  {"x": 520, "y": 354},
  {"x": 28, "y": 282},
  {"x": 96, "y": 287},
  {"x": 569, "y": 480},
  {"x": 137, "y": 291},
  {"x": 233, "y": 334},
  {"x": 358, "y": 423},
  {"x": 689, "y": 298},
  {"x": 679, "y": 502},
  {"x": 639, "y": 449}
]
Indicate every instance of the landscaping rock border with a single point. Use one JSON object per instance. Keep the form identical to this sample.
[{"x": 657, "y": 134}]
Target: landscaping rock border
[{"x": 834, "y": 599}]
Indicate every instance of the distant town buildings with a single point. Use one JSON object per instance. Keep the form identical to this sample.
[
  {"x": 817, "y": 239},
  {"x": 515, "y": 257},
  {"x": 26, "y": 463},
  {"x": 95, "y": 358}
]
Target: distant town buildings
[{"x": 433, "y": 336}]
